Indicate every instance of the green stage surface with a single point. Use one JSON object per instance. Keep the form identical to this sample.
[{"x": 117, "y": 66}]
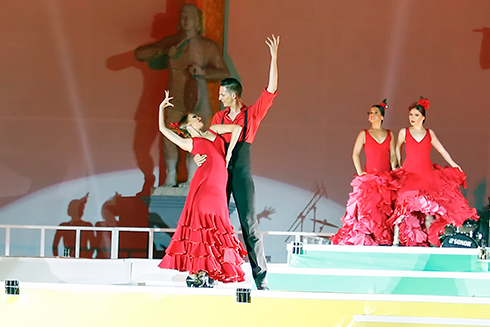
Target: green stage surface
[{"x": 384, "y": 270}]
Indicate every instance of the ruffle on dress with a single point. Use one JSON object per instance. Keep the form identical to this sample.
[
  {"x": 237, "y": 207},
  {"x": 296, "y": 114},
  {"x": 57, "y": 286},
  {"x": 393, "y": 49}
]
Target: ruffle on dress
[
  {"x": 367, "y": 210},
  {"x": 207, "y": 244},
  {"x": 433, "y": 193}
]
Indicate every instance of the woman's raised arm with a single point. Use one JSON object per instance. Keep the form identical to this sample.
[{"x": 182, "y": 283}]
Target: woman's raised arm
[{"x": 184, "y": 144}]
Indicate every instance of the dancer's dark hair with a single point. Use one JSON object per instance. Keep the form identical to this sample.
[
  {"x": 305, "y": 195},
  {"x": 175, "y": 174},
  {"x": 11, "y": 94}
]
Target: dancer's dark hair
[
  {"x": 381, "y": 109},
  {"x": 232, "y": 85},
  {"x": 422, "y": 105},
  {"x": 382, "y": 106}
]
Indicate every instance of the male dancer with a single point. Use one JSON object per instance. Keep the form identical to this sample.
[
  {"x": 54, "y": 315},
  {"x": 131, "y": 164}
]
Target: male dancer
[{"x": 240, "y": 182}]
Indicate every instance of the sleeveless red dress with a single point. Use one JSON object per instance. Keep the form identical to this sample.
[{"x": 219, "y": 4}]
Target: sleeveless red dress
[
  {"x": 377, "y": 154},
  {"x": 370, "y": 203},
  {"x": 204, "y": 238},
  {"x": 428, "y": 190}
]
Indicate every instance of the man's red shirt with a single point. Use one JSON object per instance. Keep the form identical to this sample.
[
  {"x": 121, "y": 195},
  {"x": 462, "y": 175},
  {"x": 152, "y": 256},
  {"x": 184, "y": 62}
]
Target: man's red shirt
[{"x": 256, "y": 113}]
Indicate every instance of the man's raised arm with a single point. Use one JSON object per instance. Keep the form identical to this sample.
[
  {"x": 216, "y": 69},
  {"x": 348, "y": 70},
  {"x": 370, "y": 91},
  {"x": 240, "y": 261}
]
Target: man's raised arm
[{"x": 273, "y": 43}]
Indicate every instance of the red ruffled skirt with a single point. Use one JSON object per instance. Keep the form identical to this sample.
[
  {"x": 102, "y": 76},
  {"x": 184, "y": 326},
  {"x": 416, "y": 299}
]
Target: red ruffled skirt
[
  {"x": 206, "y": 242},
  {"x": 368, "y": 209},
  {"x": 433, "y": 193}
]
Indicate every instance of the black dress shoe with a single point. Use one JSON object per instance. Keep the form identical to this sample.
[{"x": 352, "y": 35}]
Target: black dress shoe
[
  {"x": 261, "y": 281},
  {"x": 261, "y": 285}
]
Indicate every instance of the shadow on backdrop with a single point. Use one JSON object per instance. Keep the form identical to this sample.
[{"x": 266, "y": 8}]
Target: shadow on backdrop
[
  {"x": 154, "y": 83},
  {"x": 102, "y": 238},
  {"x": 132, "y": 212},
  {"x": 485, "y": 47},
  {"x": 68, "y": 237}
]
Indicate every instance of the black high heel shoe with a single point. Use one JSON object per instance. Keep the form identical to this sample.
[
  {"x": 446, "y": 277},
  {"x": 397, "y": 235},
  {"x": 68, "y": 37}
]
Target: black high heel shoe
[
  {"x": 193, "y": 282},
  {"x": 210, "y": 282},
  {"x": 206, "y": 281}
]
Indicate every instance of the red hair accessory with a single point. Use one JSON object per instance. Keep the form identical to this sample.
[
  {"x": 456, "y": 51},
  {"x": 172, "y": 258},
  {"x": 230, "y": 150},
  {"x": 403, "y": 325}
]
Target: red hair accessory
[
  {"x": 424, "y": 103},
  {"x": 175, "y": 127},
  {"x": 384, "y": 105}
]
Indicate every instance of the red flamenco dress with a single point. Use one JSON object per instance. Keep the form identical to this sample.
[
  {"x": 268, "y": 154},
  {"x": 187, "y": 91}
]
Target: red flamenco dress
[
  {"x": 428, "y": 190},
  {"x": 370, "y": 203},
  {"x": 204, "y": 238}
]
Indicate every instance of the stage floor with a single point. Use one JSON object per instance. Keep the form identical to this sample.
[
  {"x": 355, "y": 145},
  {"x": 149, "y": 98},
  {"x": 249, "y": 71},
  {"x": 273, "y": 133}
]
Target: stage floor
[{"x": 324, "y": 286}]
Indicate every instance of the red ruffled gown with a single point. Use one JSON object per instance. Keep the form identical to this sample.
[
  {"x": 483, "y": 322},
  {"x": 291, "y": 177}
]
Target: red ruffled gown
[
  {"x": 428, "y": 190},
  {"x": 204, "y": 238},
  {"x": 370, "y": 203}
]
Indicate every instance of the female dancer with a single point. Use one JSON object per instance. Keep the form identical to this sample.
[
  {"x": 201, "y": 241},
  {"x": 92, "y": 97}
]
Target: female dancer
[
  {"x": 204, "y": 243},
  {"x": 369, "y": 204},
  {"x": 427, "y": 193}
]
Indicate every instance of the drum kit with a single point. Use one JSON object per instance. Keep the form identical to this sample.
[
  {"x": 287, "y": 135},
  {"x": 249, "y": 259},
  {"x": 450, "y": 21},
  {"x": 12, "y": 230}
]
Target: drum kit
[{"x": 469, "y": 235}]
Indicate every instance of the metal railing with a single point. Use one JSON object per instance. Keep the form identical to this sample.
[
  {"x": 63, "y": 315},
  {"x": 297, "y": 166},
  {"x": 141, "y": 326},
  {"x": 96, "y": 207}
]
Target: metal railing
[{"x": 115, "y": 236}]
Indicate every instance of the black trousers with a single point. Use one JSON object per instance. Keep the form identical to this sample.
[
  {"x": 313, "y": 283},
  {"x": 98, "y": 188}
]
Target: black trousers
[{"x": 241, "y": 186}]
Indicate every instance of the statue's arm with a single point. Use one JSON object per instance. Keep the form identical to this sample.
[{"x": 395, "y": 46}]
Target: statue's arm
[
  {"x": 217, "y": 68},
  {"x": 154, "y": 50}
]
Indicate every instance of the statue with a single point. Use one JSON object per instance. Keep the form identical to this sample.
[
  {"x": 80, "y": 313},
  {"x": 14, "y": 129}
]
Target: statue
[{"x": 192, "y": 60}]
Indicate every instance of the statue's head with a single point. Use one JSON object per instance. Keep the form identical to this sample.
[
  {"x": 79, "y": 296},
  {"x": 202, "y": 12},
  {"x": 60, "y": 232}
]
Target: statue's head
[{"x": 191, "y": 18}]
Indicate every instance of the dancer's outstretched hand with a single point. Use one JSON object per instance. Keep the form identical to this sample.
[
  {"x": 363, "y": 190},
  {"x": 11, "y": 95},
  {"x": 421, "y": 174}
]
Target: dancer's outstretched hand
[
  {"x": 273, "y": 44},
  {"x": 166, "y": 102}
]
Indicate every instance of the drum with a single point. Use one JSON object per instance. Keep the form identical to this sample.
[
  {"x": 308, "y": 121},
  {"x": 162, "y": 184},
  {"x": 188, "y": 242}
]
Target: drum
[
  {"x": 449, "y": 229},
  {"x": 458, "y": 240},
  {"x": 469, "y": 227}
]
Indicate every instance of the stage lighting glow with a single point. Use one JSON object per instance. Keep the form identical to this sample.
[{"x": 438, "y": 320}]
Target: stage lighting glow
[{"x": 67, "y": 67}]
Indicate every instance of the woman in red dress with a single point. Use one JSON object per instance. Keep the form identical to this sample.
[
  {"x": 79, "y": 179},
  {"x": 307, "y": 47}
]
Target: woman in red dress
[
  {"x": 370, "y": 203},
  {"x": 429, "y": 198},
  {"x": 204, "y": 243}
]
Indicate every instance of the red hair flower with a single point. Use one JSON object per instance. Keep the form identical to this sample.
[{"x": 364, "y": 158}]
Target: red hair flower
[
  {"x": 384, "y": 105},
  {"x": 176, "y": 129},
  {"x": 424, "y": 103}
]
